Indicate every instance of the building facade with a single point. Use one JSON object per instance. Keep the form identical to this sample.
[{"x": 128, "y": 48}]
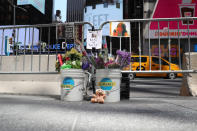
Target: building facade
[
  {"x": 75, "y": 10},
  {"x": 6, "y": 13}
]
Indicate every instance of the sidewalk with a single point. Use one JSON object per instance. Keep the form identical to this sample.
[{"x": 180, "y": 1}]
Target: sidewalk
[{"x": 22, "y": 113}]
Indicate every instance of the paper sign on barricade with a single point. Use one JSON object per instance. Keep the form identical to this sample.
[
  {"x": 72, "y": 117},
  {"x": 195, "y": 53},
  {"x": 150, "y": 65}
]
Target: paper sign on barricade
[{"x": 94, "y": 39}]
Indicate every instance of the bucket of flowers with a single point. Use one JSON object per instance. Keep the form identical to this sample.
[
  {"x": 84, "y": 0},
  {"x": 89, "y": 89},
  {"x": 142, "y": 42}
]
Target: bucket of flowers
[
  {"x": 72, "y": 76},
  {"x": 108, "y": 73}
]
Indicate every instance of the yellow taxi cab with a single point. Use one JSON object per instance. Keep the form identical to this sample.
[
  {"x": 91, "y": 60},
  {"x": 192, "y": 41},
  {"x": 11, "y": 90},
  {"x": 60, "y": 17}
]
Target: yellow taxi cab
[{"x": 154, "y": 61}]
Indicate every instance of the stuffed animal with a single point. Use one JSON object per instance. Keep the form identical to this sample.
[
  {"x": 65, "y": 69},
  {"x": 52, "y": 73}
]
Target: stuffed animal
[{"x": 98, "y": 97}]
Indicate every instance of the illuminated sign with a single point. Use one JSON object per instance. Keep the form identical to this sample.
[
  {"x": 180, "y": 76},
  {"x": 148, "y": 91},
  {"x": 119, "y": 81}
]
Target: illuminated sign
[
  {"x": 38, "y": 4},
  {"x": 174, "y": 9}
]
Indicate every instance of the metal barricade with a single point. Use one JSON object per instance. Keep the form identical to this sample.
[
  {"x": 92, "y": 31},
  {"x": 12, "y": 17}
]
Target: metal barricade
[
  {"x": 32, "y": 48},
  {"x": 164, "y": 30},
  {"x": 37, "y": 48}
]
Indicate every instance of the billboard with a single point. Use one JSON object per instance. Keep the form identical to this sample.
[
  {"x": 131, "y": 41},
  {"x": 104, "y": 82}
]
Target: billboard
[
  {"x": 174, "y": 9},
  {"x": 102, "y": 14},
  {"x": 38, "y": 4}
]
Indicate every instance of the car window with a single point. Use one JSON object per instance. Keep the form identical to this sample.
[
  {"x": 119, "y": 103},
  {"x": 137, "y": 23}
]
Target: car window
[
  {"x": 137, "y": 59},
  {"x": 155, "y": 60},
  {"x": 163, "y": 62}
]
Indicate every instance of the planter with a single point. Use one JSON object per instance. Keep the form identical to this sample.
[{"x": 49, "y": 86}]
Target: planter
[
  {"x": 72, "y": 83},
  {"x": 109, "y": 81}
]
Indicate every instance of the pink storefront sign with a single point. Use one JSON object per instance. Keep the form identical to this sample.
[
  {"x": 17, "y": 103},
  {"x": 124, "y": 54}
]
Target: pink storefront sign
[{"x": 174, "y": 9}]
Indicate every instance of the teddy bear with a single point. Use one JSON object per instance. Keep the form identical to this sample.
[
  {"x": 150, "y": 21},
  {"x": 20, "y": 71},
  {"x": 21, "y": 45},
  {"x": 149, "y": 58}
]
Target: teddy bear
[{"x": 98, "y": 97}]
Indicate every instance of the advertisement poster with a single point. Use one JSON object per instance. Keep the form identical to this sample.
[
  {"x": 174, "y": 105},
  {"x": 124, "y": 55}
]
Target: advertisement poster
[
  {"x": 94, "y": 39},
  {"x": 120, "y": 29},
  {"x": 174, "y": 9}
]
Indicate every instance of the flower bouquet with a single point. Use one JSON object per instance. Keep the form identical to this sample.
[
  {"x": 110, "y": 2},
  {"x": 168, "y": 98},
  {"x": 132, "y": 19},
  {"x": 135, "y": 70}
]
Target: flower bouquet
[
  {"x": 110, "y": 62},
  {"x": 71, "y": 60}
]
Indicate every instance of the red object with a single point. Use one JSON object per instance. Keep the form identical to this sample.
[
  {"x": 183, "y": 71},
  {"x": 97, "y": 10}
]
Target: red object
[
  {"x": 84, "y": 53},
  {"x": 67, "y": 58},
  {"x": 59, "y": 56},
  {"x": 105, "y": 46}
]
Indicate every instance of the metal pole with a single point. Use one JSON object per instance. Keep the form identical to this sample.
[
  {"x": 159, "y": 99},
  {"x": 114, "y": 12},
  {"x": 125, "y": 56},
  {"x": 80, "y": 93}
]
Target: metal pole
[
  {"x": 140, "y": 46},
  {"x": 48, "y": 48},
  {"x": 32, "y": 45},
  {"x": 16, "y": 49},
  {"x": 189, "y": 44},
  {"x": 159, "y": 46},
  {"x": 110, "y": 46},
  {"x": 179, "y": 42},
  {"x": 130, "y": 65},
  {"x": 120, "y": 43},
  {"x": 40, "y": 48},
  {"x": 149, "y": 47},
  {"x": 24, "y": 50},
  {"x": 2, "y": 50},
  {"x": 169, "y": 45}
]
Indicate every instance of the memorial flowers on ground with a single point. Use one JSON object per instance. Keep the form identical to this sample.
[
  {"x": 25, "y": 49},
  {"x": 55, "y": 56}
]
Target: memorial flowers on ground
[
  {"x": 71, "y": 60},
  {"x": 121, "y": 60}
]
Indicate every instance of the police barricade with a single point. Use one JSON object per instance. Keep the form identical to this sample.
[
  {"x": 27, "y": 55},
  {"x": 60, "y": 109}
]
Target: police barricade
[{"x": 156, "y": 45}]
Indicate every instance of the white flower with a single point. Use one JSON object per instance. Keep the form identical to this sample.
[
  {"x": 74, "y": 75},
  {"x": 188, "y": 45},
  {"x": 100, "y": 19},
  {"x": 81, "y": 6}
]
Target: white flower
[
  {"x": 74, "y": 62},
  {"x": 80, "y": 63}
]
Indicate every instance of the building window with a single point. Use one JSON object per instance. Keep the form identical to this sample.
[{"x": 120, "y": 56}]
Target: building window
[
  {"x": 105, "y": 5},
  {"x": 85, "y": 10},
  {"x": 93, "y": 6},
  {"x": 118, "y": 5}
]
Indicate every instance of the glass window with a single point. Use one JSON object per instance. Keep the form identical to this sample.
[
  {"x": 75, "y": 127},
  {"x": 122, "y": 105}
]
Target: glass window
[
  {"x": 105, "y": 5},
  {"x": 163, "y": 62},
  {"x": 155, "y": 60},
  {"x": 117, "y": 5},
  {"x": 93, "y": 6},
  {"x": 137, "y": 59}
]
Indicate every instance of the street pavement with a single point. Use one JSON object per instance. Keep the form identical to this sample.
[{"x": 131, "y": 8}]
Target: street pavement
[
  {"x": 146, "y": 110},
  {"x": 155, "y": 87}
]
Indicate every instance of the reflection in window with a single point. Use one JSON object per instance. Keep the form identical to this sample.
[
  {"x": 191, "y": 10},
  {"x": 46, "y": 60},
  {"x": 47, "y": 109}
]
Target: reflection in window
[
  {"x": 137, "y": 59},
  {"x": 93, "y": 6},
  {"x": 155, "y": 60},
  {"x": 105, "y": 5}
]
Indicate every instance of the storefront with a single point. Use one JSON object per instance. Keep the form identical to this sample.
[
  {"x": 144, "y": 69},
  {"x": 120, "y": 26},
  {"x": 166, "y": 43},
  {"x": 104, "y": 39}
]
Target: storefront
[{"x": 176, "y": 35}]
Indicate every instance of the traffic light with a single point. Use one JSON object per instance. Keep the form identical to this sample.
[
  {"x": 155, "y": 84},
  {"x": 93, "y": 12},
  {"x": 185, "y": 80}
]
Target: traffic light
[{"x": 10, "y": 41}]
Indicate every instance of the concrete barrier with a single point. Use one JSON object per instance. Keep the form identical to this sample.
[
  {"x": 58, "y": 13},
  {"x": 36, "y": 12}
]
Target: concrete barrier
[
  {"x": 33, "y": 84},
  {"x": 18, "y": 63},
  {"x": 189, "y": 83}
]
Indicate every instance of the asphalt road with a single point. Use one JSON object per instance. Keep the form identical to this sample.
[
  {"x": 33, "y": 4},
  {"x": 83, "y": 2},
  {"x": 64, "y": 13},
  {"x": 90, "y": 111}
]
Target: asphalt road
[
  {"x": 43, "y": 113},
  {"x": 155, "y": 87}
]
